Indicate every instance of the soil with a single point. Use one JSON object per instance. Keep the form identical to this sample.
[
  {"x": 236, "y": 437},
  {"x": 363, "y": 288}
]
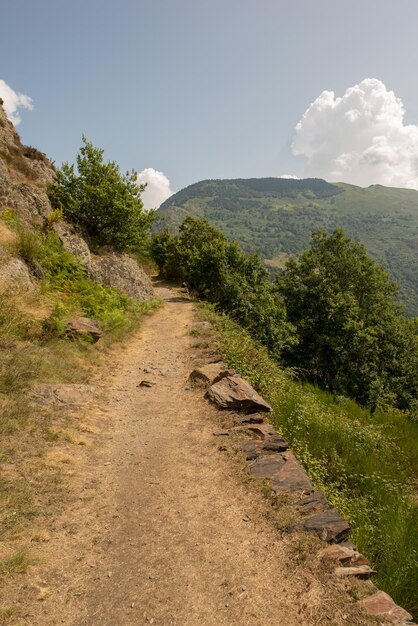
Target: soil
[{"x": 162, "y": 529}]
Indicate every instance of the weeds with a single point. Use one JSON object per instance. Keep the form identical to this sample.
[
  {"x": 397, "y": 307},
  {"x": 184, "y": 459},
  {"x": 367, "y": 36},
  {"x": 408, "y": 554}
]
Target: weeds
[{"x": 18, "y": 563}]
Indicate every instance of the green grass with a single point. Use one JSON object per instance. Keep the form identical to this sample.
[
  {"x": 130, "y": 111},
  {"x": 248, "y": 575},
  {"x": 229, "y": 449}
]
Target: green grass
[
  {"x": 17, "y": 563},
  {"x": 366, "y": 465}
]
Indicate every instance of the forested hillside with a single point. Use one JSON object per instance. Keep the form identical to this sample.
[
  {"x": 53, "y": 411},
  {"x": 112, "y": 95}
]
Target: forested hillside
[{"x": 276, "y": 217}]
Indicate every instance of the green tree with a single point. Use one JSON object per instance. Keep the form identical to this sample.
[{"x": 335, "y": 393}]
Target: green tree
[
  {"x": 104, "y": 202},
  {"x": 353, "y": 337},
  {"x": 219, "y": 271}
]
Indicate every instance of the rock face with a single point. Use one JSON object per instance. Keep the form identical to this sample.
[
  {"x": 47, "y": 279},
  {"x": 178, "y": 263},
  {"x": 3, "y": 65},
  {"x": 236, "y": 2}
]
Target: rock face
[
  {"x": 24, "y": 176},
  {"x": 74, "y": 243},
  {"x": 123, "y": 273},
  {"x": 235, "y": 394}
]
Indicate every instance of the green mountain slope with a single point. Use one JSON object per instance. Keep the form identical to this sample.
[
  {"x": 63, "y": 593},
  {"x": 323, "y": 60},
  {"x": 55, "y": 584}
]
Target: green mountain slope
[{"x": 275, "y": 217}]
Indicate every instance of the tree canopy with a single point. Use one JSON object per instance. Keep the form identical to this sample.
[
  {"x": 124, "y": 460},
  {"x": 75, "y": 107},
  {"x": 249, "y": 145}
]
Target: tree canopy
[
  {"x": 104, "y": 202},
  {"x": 220, "y": 272},
  {"x": 352, "y": 336}
]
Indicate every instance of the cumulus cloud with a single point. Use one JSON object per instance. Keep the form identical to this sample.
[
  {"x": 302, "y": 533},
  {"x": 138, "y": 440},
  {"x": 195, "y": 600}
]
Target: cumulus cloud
[
  {"x": 292, "y": 176},
  {"x": 359, "y": 137},
  {"x": 12, "y": 101},
  {"x": 157, "y": 190}
]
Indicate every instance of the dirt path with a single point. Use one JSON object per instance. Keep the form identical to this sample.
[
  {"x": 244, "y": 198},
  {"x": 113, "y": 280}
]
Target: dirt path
[{"x": 165, "y": 531}]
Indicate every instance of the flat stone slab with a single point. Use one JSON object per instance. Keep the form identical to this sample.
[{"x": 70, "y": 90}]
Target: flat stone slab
[
  {"x": 210, "y": 374},
  {"x": 267, "y": 466},
  {"x": 261, "y": 431},
  {"x": 235, "y": 394},
  {"x": 360, "y": 571},
  {"x": 252, "y": 418},
  {"x": 380, "y": 604},
  {"x": 344, "y": 555},
  {"x": 53, "y": 394},
  {"x": 329, "y": 525},
  {"x": 313, "y": 503},
  {"x": 82, "y": 326},
  {"x": 291, "y": 477}
]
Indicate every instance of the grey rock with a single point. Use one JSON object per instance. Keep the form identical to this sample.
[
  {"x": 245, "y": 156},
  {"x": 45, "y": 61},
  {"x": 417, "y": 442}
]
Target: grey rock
[
  {"x": 14, "y": 270},
  {"x": 82, "y": 326},
  {"x": 267, "y": 466},
  {"x": 210, "y": 374},
  {"x": 235, "y": 394},
  {"x": 292, "y": 477},
  {"x": 122, "y": 272},
  {"x": 381, "y": 605},
  {"x": 329, "y": 525},
  {"x": 72, "y": 241},
  {"x": 252, "y": 418}
]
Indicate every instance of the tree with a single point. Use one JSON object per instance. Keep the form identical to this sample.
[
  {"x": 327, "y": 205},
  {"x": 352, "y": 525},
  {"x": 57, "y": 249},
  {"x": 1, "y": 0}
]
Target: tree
[
  {"x": 104, "y": 202},
  {"x": 353, "y": 337},
  {"x": 219, "y": 271}
]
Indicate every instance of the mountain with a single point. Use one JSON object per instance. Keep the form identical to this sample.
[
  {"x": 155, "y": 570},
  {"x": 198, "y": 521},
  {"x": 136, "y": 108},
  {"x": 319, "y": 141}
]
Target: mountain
[{"x": 275, "y": 217}]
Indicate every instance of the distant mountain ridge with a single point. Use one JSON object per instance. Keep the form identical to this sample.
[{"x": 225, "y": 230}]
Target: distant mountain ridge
[{"x": 276, "y": 216}]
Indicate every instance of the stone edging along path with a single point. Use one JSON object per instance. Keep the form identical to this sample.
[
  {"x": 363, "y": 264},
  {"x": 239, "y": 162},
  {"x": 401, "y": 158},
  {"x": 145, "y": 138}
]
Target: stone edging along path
[{"x": 269, "y": 458}]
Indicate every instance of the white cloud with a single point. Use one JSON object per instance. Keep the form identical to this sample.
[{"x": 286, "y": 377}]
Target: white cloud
[
  {"x": 359, "y": 138},
  {"x": 292, "y": 176},
  {"x": 157, "y": 190},
  {"x": 12, "y": 101}
]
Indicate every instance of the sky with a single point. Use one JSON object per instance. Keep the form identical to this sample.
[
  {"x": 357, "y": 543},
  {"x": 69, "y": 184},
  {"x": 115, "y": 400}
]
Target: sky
[{"x": 185, "y": 90}]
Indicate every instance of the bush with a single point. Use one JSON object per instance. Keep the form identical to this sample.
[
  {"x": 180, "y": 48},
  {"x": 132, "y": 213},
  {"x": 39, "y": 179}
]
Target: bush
[{"x": 104, "y": 202}]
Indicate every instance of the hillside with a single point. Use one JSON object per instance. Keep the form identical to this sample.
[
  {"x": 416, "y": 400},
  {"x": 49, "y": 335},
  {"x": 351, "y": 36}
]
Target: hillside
[{"x": 276, "y": 216}]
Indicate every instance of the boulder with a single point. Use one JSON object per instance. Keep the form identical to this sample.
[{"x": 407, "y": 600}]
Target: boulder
[
  {"x": 261, "y": 431},
  {"x": 313, "y": 503},
  {"x": 329, "y": 525},
  {"x": 16, "y": 271},
  {"x": 235, "y": 394},
  {"x": 72, "y": 241},
  {"x": 82, "y": 326},
  {"x": 381, "y": 605},
  {"x": 122, "y": 272},
  {"x": 210, "y": 374}
]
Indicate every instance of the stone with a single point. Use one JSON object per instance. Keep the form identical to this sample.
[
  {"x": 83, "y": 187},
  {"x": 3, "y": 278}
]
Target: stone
[
  {"x": 312, "y": 503},
  {"x": 329, "y": 525},
  {"x": 267, "y": 466},
  {"x": 222, "y": 432},
  {"x": 291, "y": 477},
  {"x": 380, "y": 604},
  {"x": 252, "y": 418},
  {"x": 235, "y": 394},
  {"x": 82, "y": 326},
  {"x": 361, "y": 571},
  {"x": 15, "y": 271},
  {"x": 54, "y": 394},
  {"x": 145, "y": 383},
  {"x": 210, "y": 374},
  {"x": 275, "y": 444},
  {"x": 251, "y": 449},
  {"x": 344, "y": 555},
  {"x": 72, "y": 241},
  {"x": 261, "y": 431},
  {"x": 122, "y": 272}
]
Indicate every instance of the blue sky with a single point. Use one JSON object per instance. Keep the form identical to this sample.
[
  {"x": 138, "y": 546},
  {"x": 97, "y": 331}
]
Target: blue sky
[{"x": 208, "y": 88}]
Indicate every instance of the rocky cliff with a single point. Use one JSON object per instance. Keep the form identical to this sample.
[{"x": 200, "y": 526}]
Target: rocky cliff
[{"x": 25, "y": 174}]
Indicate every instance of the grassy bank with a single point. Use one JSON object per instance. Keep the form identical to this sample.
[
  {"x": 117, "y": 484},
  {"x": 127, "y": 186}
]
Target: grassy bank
[{"x": 366, "y": 464}]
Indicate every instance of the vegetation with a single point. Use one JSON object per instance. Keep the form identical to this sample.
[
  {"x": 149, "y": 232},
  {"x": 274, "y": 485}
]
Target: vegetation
[
  {"x": 104, "y": 202},
  {"x": 342, "y": 329},
  {"x": 220, "y": 272},
  {"x": 352, "y": 336},
  {"x": 366, "y": 464},
  {"x": 275, "y": 217}
]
